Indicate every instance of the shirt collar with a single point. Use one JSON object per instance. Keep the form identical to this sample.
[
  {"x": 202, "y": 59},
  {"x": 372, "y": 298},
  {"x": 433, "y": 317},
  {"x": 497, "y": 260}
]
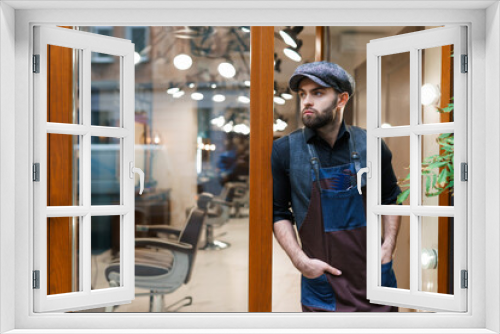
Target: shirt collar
[{"x": 310, "y": 133}]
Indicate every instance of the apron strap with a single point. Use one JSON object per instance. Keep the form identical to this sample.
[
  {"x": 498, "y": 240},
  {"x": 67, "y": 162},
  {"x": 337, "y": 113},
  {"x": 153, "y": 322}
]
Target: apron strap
[
  {"x": 355, "y": 157},
  {"x": 313, "y": 159}
]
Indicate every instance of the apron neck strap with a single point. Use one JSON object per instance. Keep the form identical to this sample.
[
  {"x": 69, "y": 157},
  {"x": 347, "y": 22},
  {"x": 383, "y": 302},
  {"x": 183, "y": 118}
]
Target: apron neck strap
[{"x": 355, "y": 157}]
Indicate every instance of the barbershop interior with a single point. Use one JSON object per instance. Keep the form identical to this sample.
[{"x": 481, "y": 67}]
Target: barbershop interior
[{"x": 192, "y": 138}]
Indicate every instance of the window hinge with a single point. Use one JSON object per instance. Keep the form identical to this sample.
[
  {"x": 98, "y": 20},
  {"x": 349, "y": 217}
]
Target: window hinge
[
  {"x": 36, "y": 172},
  {"x": 465, "y": 279},
  {"x": 465, "y": 64},
  {"x": 36, "y": 63},
  {"x": 36, "y": 279},
  {"x": 465, "y": 171}
]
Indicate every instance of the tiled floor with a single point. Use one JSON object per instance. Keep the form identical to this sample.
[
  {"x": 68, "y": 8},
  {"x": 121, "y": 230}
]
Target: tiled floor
[{"x": 219, "y": 281}]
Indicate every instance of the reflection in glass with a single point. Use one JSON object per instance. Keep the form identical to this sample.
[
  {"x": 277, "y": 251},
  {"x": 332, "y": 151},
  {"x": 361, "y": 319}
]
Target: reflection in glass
[
  {"x": 63, "y": 254},
  {"x": 105, "y": 244},
  {"x": 105, "y": 90},
  {"x": 192, "y": 128},
  {"x": 63, "y": 85},
  {"x": 436, "y": 254},
  {"x": 395, "y": 90},
  {"x": 396, "y": 273},
  {"x": 437, "y": 169},
  {"x": 105, "y": 171},
  {"x": 63, "y": 170},
  {"x": 399, "y": 149},
  {"x": 436, "y": 93}
]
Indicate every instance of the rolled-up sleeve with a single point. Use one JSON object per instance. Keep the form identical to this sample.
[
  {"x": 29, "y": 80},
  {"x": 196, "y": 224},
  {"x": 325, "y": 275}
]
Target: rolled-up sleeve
[{"x": 280, "y": 163}]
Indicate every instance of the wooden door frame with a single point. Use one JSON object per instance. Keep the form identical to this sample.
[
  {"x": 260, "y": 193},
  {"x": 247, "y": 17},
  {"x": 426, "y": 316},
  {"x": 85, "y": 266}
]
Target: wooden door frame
[{"x": 261, "y": 182}]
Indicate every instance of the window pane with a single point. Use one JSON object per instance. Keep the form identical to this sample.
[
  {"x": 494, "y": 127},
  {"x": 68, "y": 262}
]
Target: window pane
[
  {"x": 63, "y": 170},
  {"x": 63, "y": 250},
  {"x": 436, "y": 93},
  {"x": 437, "y": 169},
  {"x": 105, "y": 86},
  {"x": 105, "y": 171},
  {"x": 436, "y": 254},
  {"x": 395, "y": 184},
  {"x": 63, "y": 85},
  {"x": 396, "y": 273},
  {"x": 105, "y": 244},
  {"x": 395, "y": 90},
  {"x": 192, "y": 128}
]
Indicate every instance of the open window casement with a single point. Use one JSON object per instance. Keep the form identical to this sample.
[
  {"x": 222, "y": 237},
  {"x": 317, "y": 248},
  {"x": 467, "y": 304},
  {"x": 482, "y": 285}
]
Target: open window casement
[
  {"x": 416, "y": 130},
  {"x": 65, "y": 148}
]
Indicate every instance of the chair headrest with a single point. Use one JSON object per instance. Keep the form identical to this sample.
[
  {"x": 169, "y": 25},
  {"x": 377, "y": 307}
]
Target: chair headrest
[{"x": 204, "y": 200}]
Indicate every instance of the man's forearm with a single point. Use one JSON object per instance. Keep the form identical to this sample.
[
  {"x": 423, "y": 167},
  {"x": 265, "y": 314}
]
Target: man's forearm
[
  {"x": 391, "y": 230},
  {"x": 285, "y": 234}
]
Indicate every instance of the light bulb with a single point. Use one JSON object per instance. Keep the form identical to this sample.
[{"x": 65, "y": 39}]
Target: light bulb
[
  {"x": 197, "y": 96},
  {"x": 292, "y": 54},
  {"x": 279, "y": 100},
  {"x": 227, "y": 70},
  {"x": 183, "y": 61},
  {"x": 243, "y": 99},
  {"x": 219, "y": 98}
]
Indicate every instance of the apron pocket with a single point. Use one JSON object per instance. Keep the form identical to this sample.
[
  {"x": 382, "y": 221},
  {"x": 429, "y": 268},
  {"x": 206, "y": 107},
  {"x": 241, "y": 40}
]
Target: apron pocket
[
  {"x": 342, "y": 210},
  {"x": 317, "y": 292},
  {"x": 388, "y": 276}
]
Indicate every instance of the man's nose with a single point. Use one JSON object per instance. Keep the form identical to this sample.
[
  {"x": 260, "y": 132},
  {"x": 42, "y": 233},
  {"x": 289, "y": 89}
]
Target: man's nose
[{"x": 306, "y": 101}]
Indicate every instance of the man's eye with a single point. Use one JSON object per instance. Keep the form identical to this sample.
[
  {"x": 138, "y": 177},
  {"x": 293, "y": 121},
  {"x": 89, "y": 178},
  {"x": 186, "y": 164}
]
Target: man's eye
[{"x": 318, "y": 93}]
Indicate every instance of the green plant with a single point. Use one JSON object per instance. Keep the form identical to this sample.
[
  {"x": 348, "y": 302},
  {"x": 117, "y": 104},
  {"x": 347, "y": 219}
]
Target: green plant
[{"x": 437, "y": 169}]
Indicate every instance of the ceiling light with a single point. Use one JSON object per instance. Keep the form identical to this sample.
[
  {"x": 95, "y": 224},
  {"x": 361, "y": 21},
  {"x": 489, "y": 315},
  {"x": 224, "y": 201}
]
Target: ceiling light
[
  {"x": 178, "y": 94},
  {"x": 183, "y": 61},
  {"x": 287, "y": 96},
  {"x": 386, "y": 126},
  {"x": 279, "y": 100},
  {"x": 289, "y": 35},
  {"x": 191, "y": 85},
  {"x": 247, "y": 83},
  {"x": 245, "y": 29},
  {"x": 219, "y": 98},
  {"x": 429, "y": 94},
  {"x": 243, "y": 99},
  {"x": 228, "y": 127},
  {"x": 137, "y": 58},
  {"x": 279, "y": 125},
  {"x": 292, "y": 54},
  {"x": 173, "y": 90},
  {"x": 197, "y": 96},
  {"x": 241, "y": 128},
  {"x": 213, "y": 85},
  {"x": 218, "y": 121},
  {"x": 227, "y": 70}
]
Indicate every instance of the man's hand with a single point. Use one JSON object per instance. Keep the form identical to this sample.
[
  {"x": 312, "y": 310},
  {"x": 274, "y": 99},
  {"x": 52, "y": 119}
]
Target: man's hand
[{"x": 313, "y": 268}]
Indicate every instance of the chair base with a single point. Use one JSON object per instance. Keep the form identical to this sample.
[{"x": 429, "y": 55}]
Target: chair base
[
  {"x": 186, "y": 301},
  {"x": 216, "y": 245}
]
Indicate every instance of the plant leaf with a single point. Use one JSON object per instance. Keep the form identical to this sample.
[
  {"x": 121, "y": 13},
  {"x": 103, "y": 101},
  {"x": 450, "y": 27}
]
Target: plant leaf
[{"x": 403, "y": 196}]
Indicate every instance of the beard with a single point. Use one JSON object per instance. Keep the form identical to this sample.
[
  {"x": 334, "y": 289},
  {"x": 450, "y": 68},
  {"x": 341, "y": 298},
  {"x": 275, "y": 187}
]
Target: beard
[{"x": 320, "y": 119}]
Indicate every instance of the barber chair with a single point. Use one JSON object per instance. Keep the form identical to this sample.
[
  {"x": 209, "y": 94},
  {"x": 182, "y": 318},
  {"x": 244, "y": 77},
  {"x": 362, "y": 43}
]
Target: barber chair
[
  {"x": 163, "y": 265},
  {"x": 219, "y": 213}
]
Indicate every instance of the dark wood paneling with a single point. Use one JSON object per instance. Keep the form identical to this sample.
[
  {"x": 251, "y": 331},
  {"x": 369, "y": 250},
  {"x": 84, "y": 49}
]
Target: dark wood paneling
[{"x": 261, "y": 137}]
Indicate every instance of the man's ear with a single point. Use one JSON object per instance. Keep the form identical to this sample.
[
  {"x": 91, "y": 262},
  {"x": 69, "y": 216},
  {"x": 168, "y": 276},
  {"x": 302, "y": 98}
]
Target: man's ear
[{"x": 343, "y": 98}]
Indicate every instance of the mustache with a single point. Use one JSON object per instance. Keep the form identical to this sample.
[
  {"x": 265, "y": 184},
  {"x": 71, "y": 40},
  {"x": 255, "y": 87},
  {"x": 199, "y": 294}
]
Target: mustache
[{"x": 309, "y": 109}]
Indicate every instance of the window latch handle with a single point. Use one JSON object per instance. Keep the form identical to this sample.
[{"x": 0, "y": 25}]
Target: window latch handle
[
  {"x": 133, "y": 170},
  {"x": 360, "y": 174}
]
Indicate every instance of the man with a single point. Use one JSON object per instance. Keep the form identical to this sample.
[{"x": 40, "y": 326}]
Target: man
[{"x": 314, "y": 169}]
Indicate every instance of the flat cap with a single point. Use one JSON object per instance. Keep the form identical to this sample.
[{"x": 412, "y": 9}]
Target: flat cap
[{"x": 325, "y": 74}]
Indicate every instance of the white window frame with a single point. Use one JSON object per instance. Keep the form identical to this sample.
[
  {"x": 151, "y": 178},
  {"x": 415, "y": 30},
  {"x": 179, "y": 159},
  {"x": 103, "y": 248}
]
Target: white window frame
[
  {"x": 86, "y": 44},
  {"x": 414, "y": 43},
  {"x": 484, "y": 102}
]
